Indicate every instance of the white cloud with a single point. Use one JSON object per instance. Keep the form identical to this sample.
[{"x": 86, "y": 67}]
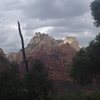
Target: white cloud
[{"x": 44, "y": 29}]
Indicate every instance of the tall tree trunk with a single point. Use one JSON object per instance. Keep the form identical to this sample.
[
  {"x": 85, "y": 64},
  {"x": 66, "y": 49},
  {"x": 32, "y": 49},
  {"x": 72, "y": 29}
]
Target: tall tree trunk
[{"x": 23, "y": 49}]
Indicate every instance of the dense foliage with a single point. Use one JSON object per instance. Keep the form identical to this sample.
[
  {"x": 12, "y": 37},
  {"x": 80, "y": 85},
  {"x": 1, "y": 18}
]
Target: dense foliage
[
  {"x": 95, "y": 8},
  {"x": 37, "y": 83},
  {"x": 86, "y": 64},
  {"x": 34, "y": 86},
  {"x": 9, "y": 81},
  {"x": 76, "y": 96}
]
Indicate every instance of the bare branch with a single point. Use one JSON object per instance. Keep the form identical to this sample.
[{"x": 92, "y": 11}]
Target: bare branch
[{"x": 23, "y": 49}]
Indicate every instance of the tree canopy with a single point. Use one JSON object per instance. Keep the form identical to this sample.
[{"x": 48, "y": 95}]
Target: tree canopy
[
  {"x": 95, "y": 8},
  {"x": 86, "y": 64},
  {"x": 34, "y": 86}
]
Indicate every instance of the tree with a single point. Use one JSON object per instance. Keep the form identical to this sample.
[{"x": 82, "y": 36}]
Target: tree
[
  {"x": 86, "y": 64},
  {"x": 23, "y": 49},
  {"x": 9, "y": 82},
  {"x": 37, "y": 83},
  {"x": 95, "y": 8},
  {"x": 80, "y": 71}
]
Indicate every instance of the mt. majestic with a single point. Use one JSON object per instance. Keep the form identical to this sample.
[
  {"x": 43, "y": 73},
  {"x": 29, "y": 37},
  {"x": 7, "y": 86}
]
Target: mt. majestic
[{"x": 55, "y": 54}]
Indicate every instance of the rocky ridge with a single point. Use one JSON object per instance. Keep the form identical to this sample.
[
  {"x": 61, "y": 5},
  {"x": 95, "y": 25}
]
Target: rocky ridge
[{"x": 56, "y": 55}]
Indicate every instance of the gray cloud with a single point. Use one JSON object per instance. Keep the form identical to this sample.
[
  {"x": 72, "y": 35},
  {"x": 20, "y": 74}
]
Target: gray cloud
[
  {"x": 52, "y": 9},
  {"x": 58, "y": 18}
]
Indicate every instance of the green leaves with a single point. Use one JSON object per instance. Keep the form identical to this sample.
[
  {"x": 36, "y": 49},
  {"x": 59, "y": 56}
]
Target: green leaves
[
  {"x": 86, "y": 64},
  {"x": 95, "y": 8},
  {"x": 80, "y": 71}
]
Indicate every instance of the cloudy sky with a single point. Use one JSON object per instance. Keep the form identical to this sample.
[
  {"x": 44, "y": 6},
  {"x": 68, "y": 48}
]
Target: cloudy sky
[{"x": 58, "y": 18}]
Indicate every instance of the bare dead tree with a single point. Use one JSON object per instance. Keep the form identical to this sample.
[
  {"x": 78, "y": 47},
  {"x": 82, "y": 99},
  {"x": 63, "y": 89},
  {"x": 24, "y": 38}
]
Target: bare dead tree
[{"x": 23, "y": 49}]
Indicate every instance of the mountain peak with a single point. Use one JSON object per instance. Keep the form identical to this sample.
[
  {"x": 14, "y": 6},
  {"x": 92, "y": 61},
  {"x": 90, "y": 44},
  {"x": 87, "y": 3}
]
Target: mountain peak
[
  {"x": 55, "y": 55},
  {"x": 72, "y": 41},
  {"x": 41, "y": 39}
]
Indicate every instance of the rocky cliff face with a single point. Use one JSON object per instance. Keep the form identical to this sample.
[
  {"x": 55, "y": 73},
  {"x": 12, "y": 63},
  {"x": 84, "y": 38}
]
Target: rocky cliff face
[
  {"x": 73, "y": 42},
  {"x": 12, "y": 57},
  {"x": 2, "y": 53},
  {"x": 55, "y": 54}
]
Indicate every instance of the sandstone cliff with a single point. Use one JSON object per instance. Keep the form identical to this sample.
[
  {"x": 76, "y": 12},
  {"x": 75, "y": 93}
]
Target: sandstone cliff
[
  {"x": 73, "y": 42},
  {"x": 12, "y": 57},
  {"x": 55, "y": 54}
]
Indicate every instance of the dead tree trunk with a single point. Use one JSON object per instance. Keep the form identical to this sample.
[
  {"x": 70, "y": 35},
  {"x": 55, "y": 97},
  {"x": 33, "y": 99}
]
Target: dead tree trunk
[{"x": 23, "y": 49}]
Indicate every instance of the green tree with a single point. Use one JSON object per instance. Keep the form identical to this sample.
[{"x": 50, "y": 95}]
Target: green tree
[
  {"x": 86, "y": 64},
  {"x": 38, "y": 85},
  {"x": 95, "y": 8},
  {"x": 80, "y": 71},
  {"x": 9, "y": 81},
  {"x": 93, "y": 51}
]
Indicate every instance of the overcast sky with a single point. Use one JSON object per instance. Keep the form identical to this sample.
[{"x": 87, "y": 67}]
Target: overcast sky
[{"x": 58, "y": 18}]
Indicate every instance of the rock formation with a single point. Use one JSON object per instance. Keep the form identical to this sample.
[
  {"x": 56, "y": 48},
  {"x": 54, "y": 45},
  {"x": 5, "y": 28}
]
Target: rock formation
[
  {"x": 56, "y": 55},
  {"x": 73, "y": 42},
  {"x": 12, "y": 57},
  {"x": 2, "y": 53},
  {"x": 4, "y": 63}
]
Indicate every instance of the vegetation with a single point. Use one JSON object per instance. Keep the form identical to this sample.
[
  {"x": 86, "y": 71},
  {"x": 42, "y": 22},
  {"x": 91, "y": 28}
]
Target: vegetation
[
  {"x": 37, "y": 83},
  {"x": 86, "y": 64},
  {"x": 95, "y": 8},
  {"x": 9, "y": 82},
  {"x": 80, "y": 71},
  {"x": 34, "y": 86},
  {"x": 76, "y": 96}
]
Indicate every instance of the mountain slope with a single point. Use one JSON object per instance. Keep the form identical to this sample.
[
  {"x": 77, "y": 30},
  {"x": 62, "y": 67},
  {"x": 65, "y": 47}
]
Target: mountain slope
[{"x": 56, "y": 56}]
